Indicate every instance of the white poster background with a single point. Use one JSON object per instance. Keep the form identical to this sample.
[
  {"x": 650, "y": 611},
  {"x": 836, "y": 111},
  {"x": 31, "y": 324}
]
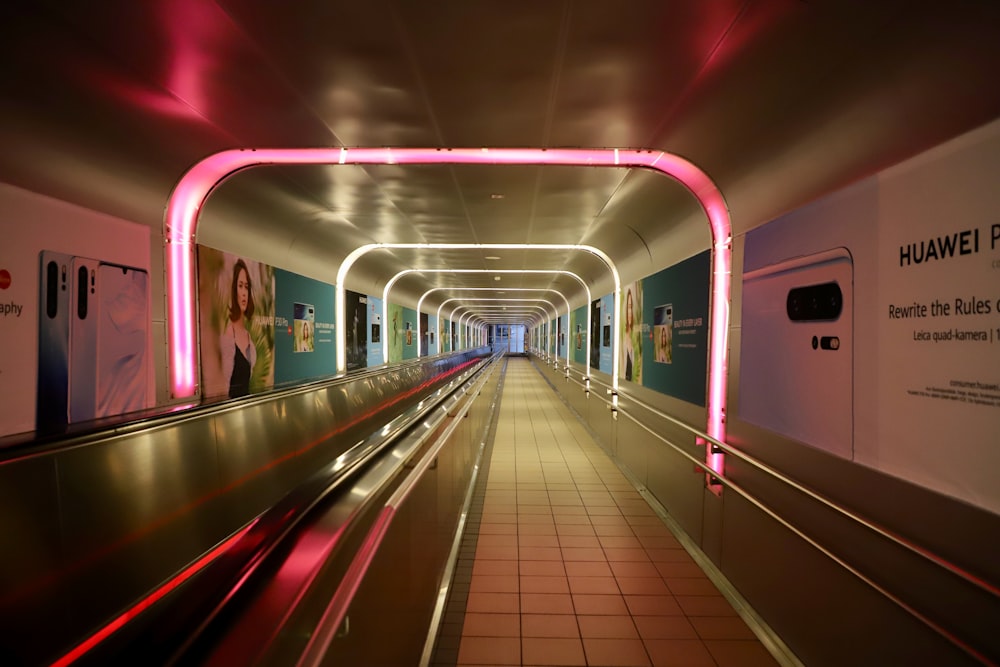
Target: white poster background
[
  {"x": 939, "y": 319},
  {"x": 32, "y": 223}
]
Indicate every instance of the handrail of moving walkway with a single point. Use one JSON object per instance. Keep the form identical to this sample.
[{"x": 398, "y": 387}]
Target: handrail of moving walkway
[{"x": 843, "y": 511}]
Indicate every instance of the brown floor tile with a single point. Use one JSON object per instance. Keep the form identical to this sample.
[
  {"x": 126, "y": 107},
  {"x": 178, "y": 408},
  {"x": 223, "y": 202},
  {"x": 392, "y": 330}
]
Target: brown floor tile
[
  {"x": 571, "y": 520},
  {"x": 620, "y": 542},
  {"x": 546, "y": 603},
  {"x": 599, "y": 605},
  {"x": 534, "y": 510},
  {"x": 669, "y": 556},
  {"x": 624, "y": 569},
  {"x": 721, "y": 627},
  {"x": 524, "y": 529},
  {"x": 652, "y": 605},
  {"x": 616, "y": 652},
  {"x": 740, "y": 653},
  {"x": 705, "y": 605},
  {"x": 679, "y": 570},
  {"x": 493, "y": 603},
  {"x": 551, "y": 651},
  {"x": 549, "y": 625},
  {"x": 583, "y": 554},
  {"x": 678, "y": 653},
  {"x": 493, "y": 583},
  {"x": 631, "y": 555},
  {"x": 489, "y": 651},
  {"x": 494, "y": 567},
  {"x": 588, "y": 569},
  {"x": 642, "y": 586},
  {"x": 660, "y": 542},
  {"x": 497, "y": 529},
  {"x": 610, "y": 520},
  {"x": 691, "y": 586},
  {"x": 537, "y": 584},
  {"x": 607, "y": 627},
  {"x": 542, "y": 568},
  {"x": 579, "y": 541},
  {"x": 594, "y": 585},
  {"x": 560, "y": 511},
  {"x": 492, "y": 625},
  {"x": 611, "y": 529},
  {"x": 664, "y": 627},
  {"x": 538, "y": 541},
  {"x": 496, "y": 553},
  {"x": 540, "y": 553}
]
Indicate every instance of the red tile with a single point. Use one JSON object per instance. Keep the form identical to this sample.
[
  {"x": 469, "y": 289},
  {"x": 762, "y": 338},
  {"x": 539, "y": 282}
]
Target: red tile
[
  {"x": 498, "y": 528},
  {"x": 489, "y": 651},
  {"x": 610, "y": 520},
  {"x": 669, "y": 556},
  {"x": 630, "y": 555},
  {"x": 534, "y": 510},
  {"x": 542, "y": 568},
  {"x": 492, "y": 583},
  {"x": 540, "y": 553},
  {"x": 611, "y": 529},
  {"x": 642, "y": 586},
  {"x": 607, "y": 627},
  {"x": 493, "y": 603},
  {"x": 546, "y": 603},
  {"x": 492, "y": 625},
  {"x": 691, "y": 586},
  {"x": 525, "y": 529},
  {"x": 599, "y": 605},
  {"x": 597, "y": 585},
  {"x": 579, "y": 541},
  {"x": 588, "y": 569},
  {"x": 588, "y": 554},
  {"x": 620, "y": 542},
  {"x": 678, "y": 653},
  {"x": 549, "y": 625},
  {"x": 496, "y": 553},
  {"x": 664, "y": 627},
  {"x": 624, "y": 569},
  {"x": 653, "y": 605},
  {"x": 537, "y": 584},
  {"x": 572, "y": 519},
  {"x": 578, "y": 530},
  {"x": 740, "y": 653},
  {"x": 496, "y": 541},
  {"x": 494, "y": 567},
  {"x": 538, "y": 541},
  {"x": 551, "y": 651},
  {"x": 660, "y": 542},
  {"x": 559, "y": 511},
  {"x": 602, "y": 510},
  {"x": 705, "y": 605},
  {"x": 679, "y": 570},
  {"x": 616, "y": 652}
]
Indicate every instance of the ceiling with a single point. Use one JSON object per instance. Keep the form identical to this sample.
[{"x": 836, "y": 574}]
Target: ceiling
[{"x": 779, "y": 101}]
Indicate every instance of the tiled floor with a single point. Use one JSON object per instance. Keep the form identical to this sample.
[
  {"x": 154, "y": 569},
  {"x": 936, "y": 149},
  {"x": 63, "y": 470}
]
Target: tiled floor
[{"x": 573, "y": 567}]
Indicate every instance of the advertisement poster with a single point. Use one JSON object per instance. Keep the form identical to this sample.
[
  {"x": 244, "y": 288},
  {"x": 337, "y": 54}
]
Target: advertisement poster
[
  {"x": 578, "y": 325},
  {"x": 606, "y": 321},
  {"x": 630, "y": 354},
  {"x": 375, "y": 341},
  {"x": 410, "y": 333},
  {"x": 425, "y": 334},
  {"x": 49, "y": 372},
  {"x": 675, "y": 329},
  {"x": 236, "y": 321},
  {"x": 304, "y": 341},
  {"x": 356, "y": 319},
  {"x": 396, "y": 333},
  {"x": 444, "y": 339},
  {"x": 432, "y": 335},
  {"x": 595, "y": 334}
]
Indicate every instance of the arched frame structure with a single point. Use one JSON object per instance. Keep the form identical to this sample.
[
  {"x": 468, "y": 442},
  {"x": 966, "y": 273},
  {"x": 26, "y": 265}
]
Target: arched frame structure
[{"x": 194, "y": 187}]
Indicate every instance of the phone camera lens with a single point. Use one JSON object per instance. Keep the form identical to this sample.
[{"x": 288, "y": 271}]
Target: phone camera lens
[{"x": 815, "y": 342}]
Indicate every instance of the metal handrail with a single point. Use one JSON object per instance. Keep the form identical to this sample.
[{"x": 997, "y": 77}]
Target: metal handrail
[
  {"x": 902, "y": 604},
  {"x": 871, "y": 525}
]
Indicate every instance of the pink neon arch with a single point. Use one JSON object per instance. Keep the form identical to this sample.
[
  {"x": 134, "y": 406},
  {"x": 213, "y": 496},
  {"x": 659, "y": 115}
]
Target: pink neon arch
[{"x": 192, "y": 190}]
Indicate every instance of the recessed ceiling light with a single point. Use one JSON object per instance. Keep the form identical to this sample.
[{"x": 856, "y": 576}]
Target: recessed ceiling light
[
  {"x": 496, "y": 195},
  {"x": 491, "y": 257},
  {"x": 496, "y": 278}
]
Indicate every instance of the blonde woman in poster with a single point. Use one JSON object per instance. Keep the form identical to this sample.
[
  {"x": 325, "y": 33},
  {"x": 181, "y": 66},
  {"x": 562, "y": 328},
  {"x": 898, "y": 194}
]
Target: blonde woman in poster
[{"x": 630, "y": 355}]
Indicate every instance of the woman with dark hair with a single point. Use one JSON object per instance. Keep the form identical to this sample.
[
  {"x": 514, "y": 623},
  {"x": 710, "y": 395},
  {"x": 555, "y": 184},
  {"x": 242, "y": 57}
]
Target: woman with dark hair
[
  {"x": 239, "y": 354},
  {"x": 628, "y": 340}
]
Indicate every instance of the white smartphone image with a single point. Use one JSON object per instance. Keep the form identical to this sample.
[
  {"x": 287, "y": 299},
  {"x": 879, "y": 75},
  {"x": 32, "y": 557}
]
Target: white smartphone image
[
  {"x": 51, "y": 412},
  {"x": 797, "y": 351},
  {"x": 122, "y": 330},
  {"x": 83, "y": 317}
]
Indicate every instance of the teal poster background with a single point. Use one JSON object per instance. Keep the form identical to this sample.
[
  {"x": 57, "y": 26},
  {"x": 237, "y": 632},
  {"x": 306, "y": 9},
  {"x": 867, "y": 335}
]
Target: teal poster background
[
  {"x": 304, "y": 346},
  {"x": 675, "y": 333}
]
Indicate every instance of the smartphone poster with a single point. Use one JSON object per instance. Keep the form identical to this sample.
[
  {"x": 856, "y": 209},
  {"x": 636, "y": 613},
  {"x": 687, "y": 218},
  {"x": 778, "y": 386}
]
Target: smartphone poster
[
  {"x": 356, "y": 313},
  {"x": 674, "y": 333},
  {"x": 376, "y": 332}
]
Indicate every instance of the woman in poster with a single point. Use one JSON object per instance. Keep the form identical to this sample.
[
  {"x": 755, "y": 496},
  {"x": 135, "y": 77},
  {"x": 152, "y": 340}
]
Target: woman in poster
[
  {"x": 239, "y": 354},
  {"x": 631, "y": 352}
]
